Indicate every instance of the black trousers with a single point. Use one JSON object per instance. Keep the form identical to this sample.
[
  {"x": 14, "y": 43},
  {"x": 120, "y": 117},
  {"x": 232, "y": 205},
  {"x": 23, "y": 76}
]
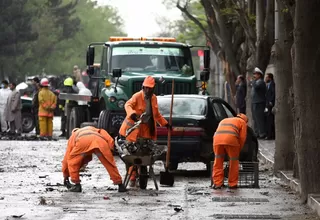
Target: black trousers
[
  {"x": 259, "y": 119},
  {"x": 63, "y": 122},
  {"x": 270, "y": 125},
  {"x": 36, "y": 121}
]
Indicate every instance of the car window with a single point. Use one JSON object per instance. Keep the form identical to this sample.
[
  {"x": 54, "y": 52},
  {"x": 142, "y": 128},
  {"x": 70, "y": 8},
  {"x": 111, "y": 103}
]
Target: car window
[
  {"x": 219, "y": 111},
  {"x": 182, "y": 106},
  {"x": 228, "y": 112}
]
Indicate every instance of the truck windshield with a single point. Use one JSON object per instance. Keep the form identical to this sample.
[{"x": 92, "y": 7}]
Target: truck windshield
[{"x": 158, "y": 59}]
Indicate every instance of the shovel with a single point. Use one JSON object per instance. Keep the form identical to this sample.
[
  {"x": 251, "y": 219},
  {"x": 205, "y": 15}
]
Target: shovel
[{"x": 167, "y": 178}]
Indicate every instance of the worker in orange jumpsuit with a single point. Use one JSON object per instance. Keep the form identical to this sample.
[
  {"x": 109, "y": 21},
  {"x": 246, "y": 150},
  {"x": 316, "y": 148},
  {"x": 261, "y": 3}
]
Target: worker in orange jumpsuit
[
  {"x": 146, "y": 102},
  {"x": 47, "y": 105},
  {"x": 81, "y": 145},
  {"x": 229, "y": 138}
]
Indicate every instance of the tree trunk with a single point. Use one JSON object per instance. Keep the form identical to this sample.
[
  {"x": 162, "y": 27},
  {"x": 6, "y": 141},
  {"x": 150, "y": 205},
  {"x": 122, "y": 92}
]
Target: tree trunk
[
  {"x": 306, "y": 79},
  {"x": 260, "y": 27},
  {"x": 285, "y": 153}
]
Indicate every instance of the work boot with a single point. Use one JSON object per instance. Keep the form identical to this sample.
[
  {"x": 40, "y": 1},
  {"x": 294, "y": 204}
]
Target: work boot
[
  {"x": 121, "y": 188},
  {"x": 76, "y": 188},
  {"x": 43, "y": 138},
  {"x": 233, "y": 187},
  {"x": 67, "y": 183},
  {"x": 216, "y": 187}
]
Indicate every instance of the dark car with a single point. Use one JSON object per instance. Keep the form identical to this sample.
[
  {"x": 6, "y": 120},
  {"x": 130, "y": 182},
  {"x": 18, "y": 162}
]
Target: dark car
[
  {"x": 28, "y": 121},
  {"x": 195, "y": 119}
]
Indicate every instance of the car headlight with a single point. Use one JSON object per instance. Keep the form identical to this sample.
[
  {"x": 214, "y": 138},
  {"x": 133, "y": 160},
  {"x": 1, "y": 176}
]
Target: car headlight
[{"x": 121, "y": 103}]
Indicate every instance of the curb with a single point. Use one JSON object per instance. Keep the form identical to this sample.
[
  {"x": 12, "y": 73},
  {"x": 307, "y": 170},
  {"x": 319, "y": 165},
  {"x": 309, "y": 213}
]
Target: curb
[{"x": 287, "y": 177}]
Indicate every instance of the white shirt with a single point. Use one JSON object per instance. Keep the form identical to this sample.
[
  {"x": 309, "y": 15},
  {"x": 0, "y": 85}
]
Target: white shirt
[{"x": 4, "y": 94}]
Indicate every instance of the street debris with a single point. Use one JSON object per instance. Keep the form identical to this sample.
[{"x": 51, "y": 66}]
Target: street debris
[
  {"x": 73, "y": 210},
  {"x": 45, "y": 176},
  {"x": 178, "y": 209},
  {"x": 42, "y": 201},
  {"x": 17, "y": 216},
  {"x": 264, "y": 193}
]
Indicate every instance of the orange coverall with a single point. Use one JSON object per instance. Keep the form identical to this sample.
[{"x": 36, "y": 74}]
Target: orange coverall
[
  {"x": 81, "y": 145},
  {"x": 47, "y": 104},
  {"x": 229, "y": 138},
  {"x": 137, "y": 104}
]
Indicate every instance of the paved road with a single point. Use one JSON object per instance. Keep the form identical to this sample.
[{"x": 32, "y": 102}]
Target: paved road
[{"x": 28, "y": 167}]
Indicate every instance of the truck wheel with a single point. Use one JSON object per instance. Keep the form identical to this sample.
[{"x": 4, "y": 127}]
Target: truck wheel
[
  {"x": 84, "y": 124},
  {"x": 143, "y": 177},
  {"x": 104, "y": 120},
  {"x": 77, "y": 116},
  {"x": 28, "y": 122}
]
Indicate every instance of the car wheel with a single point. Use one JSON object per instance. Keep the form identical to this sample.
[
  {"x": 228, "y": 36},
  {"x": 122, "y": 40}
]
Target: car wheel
[
  {"x": 85, "y": 124},
  {"x": 28, "y": 122},
  {"x": 77, "y": 116}
]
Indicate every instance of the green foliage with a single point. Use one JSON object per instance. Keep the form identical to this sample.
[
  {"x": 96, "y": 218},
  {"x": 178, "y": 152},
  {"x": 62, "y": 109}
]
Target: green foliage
[{"x": 51, "y": 35}]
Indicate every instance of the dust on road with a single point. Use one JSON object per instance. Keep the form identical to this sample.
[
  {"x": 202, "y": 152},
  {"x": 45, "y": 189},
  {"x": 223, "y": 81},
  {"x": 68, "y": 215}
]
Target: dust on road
[{"x": 31, "y": 178}]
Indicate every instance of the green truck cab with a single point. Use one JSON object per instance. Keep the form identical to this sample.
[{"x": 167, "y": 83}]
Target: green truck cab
[{"x": 125, "y": 62}]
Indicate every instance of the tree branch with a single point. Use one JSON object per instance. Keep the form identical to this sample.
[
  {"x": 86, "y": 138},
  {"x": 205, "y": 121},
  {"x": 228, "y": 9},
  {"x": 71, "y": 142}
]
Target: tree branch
[
  {"x": 192, "y": 18},
  {"x": 215, "y": 46},
  {"x": 291, "y": 5},
  {"x": 248, "y": 29}
]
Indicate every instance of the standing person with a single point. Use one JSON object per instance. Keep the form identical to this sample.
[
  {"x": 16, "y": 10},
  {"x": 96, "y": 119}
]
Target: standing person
[
  {"x": 241, "y": 93},
  {"x": 146, "y": 102},
  {"x": 35, "y": 103},
  {"x": 76, "y": 75},
  {"x": 67, "y": 88},
  {"x": 4, "y": 94},
  {"x": 270, "y": 102},
  {"x": 13, "y": 110},
  {"x": 47, "y": 105},
  {"x": 82, "y": 144},
  {"x": 258, "y": 100},
  {"x": 229, "y": 138}
]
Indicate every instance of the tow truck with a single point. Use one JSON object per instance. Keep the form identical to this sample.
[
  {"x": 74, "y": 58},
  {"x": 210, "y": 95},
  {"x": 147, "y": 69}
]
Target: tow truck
[{"x": 125, "y": 62}]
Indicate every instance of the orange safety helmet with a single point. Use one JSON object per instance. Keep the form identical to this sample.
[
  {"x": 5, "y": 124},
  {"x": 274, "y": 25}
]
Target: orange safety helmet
[
  {"x": 243, "y": 117},
  {"x": 149, "y": 82},
  {"x": 44, "y": 82}
]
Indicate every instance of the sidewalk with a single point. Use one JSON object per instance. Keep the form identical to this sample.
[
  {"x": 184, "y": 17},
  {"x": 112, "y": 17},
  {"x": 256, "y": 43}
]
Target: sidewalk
[{"x": 266, "y": 153}]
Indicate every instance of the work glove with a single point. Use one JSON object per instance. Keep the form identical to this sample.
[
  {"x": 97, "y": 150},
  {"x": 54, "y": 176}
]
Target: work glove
[
  {"x": 134, "y": 117},
  {"x": 169, "y": 126},
  {"x": 67, "y": 183}
]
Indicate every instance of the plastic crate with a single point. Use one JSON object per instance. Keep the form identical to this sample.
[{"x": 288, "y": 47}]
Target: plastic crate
[{"x": 248, "y": 174}]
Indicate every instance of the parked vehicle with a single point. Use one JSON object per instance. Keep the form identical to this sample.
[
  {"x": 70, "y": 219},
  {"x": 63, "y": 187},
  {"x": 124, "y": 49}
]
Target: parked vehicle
[
  {"x": 28, "y": 120},
  {"x": 125, "y": 62},
  {"x": 195, "y": 119}
]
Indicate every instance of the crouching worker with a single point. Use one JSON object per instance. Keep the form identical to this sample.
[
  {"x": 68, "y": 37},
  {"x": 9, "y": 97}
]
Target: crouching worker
[
  {"x": 82, "y": 143},
  {"x": 229, "y": 138}
]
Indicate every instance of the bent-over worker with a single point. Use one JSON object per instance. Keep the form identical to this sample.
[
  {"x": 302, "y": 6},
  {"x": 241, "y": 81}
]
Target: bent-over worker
[
  {"x": 229, "y": 138},
  {"x": 82, "y": 143},
  {"x": 146, "y": 102}
]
